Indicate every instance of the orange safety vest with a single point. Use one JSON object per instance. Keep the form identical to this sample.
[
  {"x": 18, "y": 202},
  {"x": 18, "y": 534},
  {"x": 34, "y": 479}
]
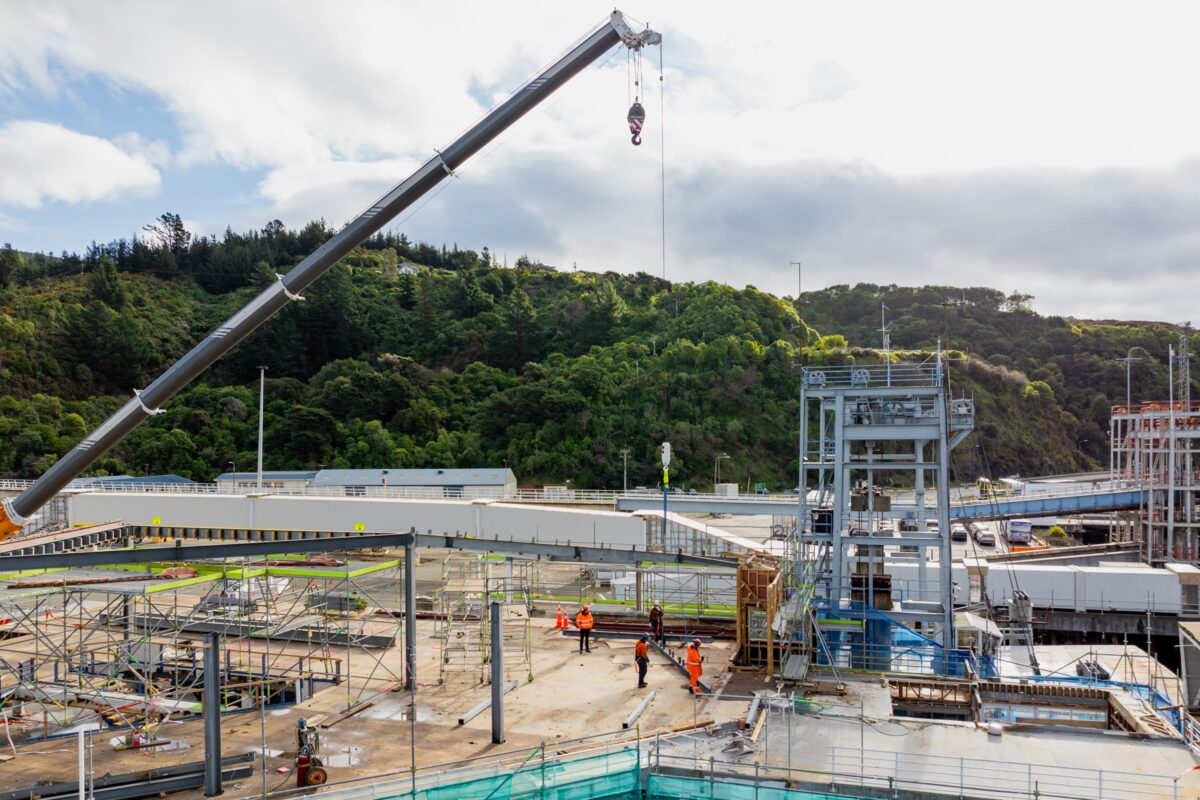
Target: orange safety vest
[
  {"x": 583, "y": 620},
  {"x": 693, "y": 656},
  {"x": 639, "y": 651}
]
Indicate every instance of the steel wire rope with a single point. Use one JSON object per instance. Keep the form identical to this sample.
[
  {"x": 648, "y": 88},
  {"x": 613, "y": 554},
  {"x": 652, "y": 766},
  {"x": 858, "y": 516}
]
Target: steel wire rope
[{"x": 662, "y": 155}]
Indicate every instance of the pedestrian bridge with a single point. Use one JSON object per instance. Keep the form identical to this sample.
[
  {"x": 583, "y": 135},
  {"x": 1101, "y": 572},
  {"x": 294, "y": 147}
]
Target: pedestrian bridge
[{"x": 1034, "y": 505}]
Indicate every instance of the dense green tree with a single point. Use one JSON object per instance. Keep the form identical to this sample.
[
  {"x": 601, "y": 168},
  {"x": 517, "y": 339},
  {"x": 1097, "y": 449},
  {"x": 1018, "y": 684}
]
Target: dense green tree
[
  {"x": 106, "y": 286},
  {"x": 10, "y": 265},
  {"x": 552, "y": 372},
  {"x": 517, "y": 338}
]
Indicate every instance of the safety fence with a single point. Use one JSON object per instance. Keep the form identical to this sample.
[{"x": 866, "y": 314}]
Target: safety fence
[
  {"x": 859, "y": 773},
  {"x": 805, "y": 751},
  {"x": 977, "y": 777}
]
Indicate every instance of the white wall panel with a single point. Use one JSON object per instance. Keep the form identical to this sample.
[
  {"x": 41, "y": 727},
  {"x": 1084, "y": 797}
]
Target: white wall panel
[{"x": 361, "y": 515}]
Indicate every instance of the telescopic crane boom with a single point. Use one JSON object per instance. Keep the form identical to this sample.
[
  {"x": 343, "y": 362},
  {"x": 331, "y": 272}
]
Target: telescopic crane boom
[{"x": 16, "y": 511}]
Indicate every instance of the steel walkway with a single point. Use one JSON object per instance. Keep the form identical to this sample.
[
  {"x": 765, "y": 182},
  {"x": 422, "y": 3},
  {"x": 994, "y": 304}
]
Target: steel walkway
[{"x": 1034, "y": 505}]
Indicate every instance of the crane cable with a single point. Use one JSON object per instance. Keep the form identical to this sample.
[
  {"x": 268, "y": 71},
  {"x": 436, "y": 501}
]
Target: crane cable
[{"x": 662, "y": 157}]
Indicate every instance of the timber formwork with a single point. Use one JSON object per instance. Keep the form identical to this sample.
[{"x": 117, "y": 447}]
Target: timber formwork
[{"x": 759, "y": 596}]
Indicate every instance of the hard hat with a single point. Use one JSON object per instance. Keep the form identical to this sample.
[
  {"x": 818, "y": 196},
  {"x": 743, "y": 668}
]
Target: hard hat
[
  {"x": 696, "y": 642},
  {"x": 645, "y": 637},
  {"x": 585, "y": 608}
]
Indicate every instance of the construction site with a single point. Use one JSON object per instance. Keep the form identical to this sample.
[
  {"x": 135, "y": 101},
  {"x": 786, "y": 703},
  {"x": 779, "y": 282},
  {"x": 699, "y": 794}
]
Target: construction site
[
  {"x": 848, "y": 640},
  {"x": 855, "y": 654}
]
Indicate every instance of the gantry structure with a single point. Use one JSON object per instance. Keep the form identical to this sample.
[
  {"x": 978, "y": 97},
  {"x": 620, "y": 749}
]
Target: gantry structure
[{"x": 860, "y": 566}]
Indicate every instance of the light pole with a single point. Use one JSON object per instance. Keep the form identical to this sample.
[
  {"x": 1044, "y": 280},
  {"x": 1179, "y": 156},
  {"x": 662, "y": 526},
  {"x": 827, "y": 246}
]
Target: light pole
[
  {"x": 1129, "y": 361},
  {"x": 799, "y": 291},
  {"x": 624, "y": 469},
  {"x": 262, "y": 387},
  {"x": 666, "y": 484},
  {"x": 717, "y": 469}
]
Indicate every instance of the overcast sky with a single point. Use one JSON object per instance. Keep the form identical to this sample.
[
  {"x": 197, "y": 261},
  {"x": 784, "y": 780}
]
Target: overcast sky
[{"x": 1052, "y": 148}]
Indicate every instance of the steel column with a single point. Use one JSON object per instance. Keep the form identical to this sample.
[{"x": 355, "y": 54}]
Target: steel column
[
  {"x": 410, "y": 615},
  {"x": 497, "y": 673},
  {"x": 211, "y": 712}
]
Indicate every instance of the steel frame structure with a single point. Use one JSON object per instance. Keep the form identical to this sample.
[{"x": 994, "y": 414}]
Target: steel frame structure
[
  {"x": 870, "y": 420},
  {"x": 1155, "y": 446},
  {"x": 126, "y": 644}
]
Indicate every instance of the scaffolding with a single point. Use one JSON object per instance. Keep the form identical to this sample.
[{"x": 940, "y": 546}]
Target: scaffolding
[
  {"x": 469, "y": 585},
  {"x": 122, "y": 647},
  {"x": 1156, "y": 447}
]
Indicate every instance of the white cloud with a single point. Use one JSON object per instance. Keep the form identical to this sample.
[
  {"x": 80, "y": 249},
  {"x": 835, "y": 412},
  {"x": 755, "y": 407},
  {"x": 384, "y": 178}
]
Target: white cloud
[
  {"x": 40, "y": 161},
  {"x": 892, "y": 113}
]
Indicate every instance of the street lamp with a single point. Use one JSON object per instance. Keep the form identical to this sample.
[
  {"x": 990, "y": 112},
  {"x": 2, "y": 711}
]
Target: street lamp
[
  {"x": 262, "y": 387},
  {"x": 624, "y": 469},
  {"x": 717, "y": 469}
]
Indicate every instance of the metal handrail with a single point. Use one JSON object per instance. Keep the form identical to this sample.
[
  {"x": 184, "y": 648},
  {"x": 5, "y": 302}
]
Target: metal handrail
[{"x": 1001, "y": 779}]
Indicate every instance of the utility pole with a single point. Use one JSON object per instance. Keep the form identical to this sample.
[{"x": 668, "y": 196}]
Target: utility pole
[
  {"x": 262, "y": 387},
  {"x": 624, "y": 469},
  {"x": 799, "y": 291},
  {"x": 887, "y": 340},
  {"x": 1128, "y": 361},
  {"x": 799, "y": 285}
]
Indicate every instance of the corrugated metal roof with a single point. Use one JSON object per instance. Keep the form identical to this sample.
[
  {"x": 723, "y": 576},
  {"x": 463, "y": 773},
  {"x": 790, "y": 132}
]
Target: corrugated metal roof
[
  {"x": 279, "y": 475},
  {"x": 480, "y": 476},
  {"x": 133, "y": 479}
]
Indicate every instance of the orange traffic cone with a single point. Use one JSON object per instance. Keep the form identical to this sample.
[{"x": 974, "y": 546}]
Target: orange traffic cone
[{"x": 561, "y": 621}]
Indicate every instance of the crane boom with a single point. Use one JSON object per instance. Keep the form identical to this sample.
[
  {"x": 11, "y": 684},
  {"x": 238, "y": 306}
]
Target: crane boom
[{"x": 15, "y": 511}]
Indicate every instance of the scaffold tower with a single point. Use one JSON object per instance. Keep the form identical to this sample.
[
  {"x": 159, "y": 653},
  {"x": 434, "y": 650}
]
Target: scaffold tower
[{"x": 469, "y": 585}]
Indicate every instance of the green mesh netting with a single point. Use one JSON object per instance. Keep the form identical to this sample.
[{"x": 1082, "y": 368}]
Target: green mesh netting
[
  {"x": 667, "y": 787},
  {"x": 614, "y": 776}
]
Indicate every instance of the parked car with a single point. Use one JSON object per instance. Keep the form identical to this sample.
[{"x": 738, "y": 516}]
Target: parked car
[
  {"x": 958, "y": 532},
  {"x": 984, "y": 537}
]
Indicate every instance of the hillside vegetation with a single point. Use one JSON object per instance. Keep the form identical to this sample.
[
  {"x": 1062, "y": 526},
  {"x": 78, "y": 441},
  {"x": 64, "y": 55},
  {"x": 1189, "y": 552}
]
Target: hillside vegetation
[{"x": 470, "y": 363}]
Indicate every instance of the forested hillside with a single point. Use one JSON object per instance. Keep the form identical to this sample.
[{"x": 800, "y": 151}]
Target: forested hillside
[
  {"x": 1072, "y": 361},
  {"x": 467, "y": 362}
]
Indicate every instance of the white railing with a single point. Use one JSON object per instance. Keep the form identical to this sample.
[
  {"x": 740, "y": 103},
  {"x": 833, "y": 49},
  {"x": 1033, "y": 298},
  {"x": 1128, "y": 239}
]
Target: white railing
[
  {"x": 544, "y": 495},
  {"x": 999, "y": 779}
]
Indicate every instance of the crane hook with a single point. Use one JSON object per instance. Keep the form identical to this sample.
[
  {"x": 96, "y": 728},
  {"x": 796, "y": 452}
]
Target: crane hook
[{"x": 636, "y": 116}]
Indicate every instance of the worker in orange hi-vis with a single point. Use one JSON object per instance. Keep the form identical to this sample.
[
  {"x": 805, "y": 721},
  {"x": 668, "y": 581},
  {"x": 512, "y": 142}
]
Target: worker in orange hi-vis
[
  {"x": 584, "y": 621},
  {"x": 641, "y": 657},
  {"x": 694, "y": 659}
]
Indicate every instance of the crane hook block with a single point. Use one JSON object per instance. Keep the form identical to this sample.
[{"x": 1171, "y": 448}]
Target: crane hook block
[{"x": 637, "y": 116}]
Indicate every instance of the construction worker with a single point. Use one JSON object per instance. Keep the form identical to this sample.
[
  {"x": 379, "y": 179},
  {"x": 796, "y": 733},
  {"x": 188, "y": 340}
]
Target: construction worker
[
  {"x": 694, "y": 659},
  {"x": 641, "y": 657},
  {"x": 656, "y": 623},
  {"x": 584, "y": 621}
]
